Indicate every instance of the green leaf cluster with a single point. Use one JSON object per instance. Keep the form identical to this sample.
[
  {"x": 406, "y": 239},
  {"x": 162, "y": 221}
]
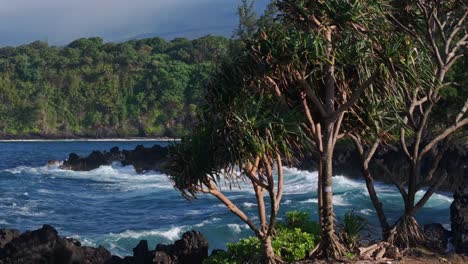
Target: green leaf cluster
[{"x": 291, "y": 242}]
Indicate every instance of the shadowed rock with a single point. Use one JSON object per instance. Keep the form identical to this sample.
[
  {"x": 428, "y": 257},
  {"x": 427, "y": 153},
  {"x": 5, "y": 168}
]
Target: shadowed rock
[
  {"x": 437, "y": 235},
  {"x": 143, "y": 159},
  {"x": 45, "y": 246},
  {"x": 459, "y": 217}
]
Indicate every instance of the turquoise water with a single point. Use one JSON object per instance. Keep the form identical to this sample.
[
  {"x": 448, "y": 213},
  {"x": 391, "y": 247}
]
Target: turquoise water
[{"x": 115, "y": 207}]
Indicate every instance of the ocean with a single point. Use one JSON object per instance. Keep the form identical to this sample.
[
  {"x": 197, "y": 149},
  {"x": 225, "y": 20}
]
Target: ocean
[{"x": 115, "y": 207}]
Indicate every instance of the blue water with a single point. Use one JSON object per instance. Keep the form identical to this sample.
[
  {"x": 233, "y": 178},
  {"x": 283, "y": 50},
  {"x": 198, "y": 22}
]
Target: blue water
[{"x": 115, "y": 207}]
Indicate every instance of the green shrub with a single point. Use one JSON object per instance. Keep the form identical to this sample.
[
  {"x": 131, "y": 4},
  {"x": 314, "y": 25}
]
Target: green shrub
[
  {"x": 301, "y": 220},
  {"x": 292, "y": 241},
  {"x": 237, "y": 253},
  {"x": 292, "y": 244},
  {"x": 353, "y": 226}
]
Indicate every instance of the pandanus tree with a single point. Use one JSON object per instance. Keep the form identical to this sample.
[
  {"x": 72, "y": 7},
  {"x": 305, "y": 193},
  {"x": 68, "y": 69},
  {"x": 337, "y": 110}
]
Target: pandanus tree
[
  {"x": 439, "y": 29},
  {"x": 376, "y": 120},
  {"x": 323, "y": 59},
  {"x": 242, "y": 135}
]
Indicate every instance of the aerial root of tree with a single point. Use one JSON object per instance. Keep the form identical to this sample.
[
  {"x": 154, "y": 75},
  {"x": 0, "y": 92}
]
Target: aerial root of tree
[
  {"x": 331, "y": 249},
  {"x": 273, "y": 260},
  {"x": 407, "y": 234},
  {"x": 380, "y": 251},
  {"x": 270, "y": 257}
]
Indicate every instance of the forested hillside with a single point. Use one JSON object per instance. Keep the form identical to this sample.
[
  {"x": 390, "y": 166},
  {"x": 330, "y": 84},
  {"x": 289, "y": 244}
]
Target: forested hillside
[{"x": 89, "y": 88}]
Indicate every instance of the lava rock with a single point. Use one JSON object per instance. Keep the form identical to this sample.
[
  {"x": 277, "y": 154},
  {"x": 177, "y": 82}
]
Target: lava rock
[
  {"x": 459, "y": 217},
  {"x": 143, "y": 159},
  {"x": 7, "y": 235},
  {"x": 192, "y": 248},
  {"x": 141, "y": 254},
  {"x": 45, "y": 246},
  {"x": 438, "y": 236}
]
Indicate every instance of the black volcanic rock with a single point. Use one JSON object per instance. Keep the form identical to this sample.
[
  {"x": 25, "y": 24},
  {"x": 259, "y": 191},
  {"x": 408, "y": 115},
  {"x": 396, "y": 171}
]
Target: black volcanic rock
[
  {"x": 45, "y": 246},
  {"x": 459, "y": 217},
  {"x": 192, "y": 248},
  {"x": 7, "y": 235},
  {"x": 437, "y": 235},
  {"x": 346, "y": 162},
  {"x": 143, "y": 159}
]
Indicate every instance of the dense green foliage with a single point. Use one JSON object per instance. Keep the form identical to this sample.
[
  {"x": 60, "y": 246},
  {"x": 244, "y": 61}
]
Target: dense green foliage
[
  {"x": 292, "y": 242},
  {"x": 146, "y": 87}
]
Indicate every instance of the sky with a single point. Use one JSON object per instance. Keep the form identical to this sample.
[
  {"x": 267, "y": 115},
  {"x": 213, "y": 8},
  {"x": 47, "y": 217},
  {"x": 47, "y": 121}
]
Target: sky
[{"x": 61, "y": 21}]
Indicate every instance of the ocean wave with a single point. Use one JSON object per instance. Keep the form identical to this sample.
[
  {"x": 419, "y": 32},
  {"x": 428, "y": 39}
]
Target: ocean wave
[
  {"x": 126, "y": 176},
  {"x": 313, "y": 200},
  {"x": 237, "y": 228},
  {"x": 169, "y": 234}
]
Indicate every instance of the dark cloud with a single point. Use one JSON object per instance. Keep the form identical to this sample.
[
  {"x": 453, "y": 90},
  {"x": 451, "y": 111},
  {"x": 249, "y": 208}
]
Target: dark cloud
[{"x": 61, "y": 21}]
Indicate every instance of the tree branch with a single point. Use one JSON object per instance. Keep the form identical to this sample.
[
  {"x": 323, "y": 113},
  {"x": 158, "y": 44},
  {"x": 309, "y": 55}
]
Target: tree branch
[
  {"x": 455, "y": 30},
  {"x": 429, "y": 193},
  {"x": 444, "y": 135},
  {"x": 355, "y": 96},
  {"x": 310, "y": 93}
]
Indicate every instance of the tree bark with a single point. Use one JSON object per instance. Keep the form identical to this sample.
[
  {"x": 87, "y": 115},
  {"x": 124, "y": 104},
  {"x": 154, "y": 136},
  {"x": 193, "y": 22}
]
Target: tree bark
[{"x": 268, "y": 249}]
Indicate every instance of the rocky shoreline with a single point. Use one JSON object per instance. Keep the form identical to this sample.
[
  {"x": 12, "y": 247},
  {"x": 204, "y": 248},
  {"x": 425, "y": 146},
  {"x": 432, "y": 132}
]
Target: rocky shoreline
[
  {"x": 44, "y": 245},
  {"x": 346, "y": 162}
]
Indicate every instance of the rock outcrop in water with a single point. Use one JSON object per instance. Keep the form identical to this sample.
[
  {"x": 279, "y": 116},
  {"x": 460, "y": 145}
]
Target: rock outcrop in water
[
  {"x": 346, "y": 162},
  {"x": 143, "y": 159},
  {"x": 45, "y": 246},
  {"x": 390, "y": 164},
  {"x": 459, "y": 217}
]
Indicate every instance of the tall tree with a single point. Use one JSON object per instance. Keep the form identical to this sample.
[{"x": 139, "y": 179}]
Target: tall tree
[
  {"x": 241, "y": 136},
  {"x": 324, "y": 59},
  {"x": 440, "y": 28}
]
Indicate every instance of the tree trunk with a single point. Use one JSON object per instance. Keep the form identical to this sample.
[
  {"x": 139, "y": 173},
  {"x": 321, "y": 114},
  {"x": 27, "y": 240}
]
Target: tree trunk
[
  {"x": 269, "y": 253},
  {"x": 376, "y": 202},
  {"x": 330, "y": 246},
  {"x": 328, "y": 228}
]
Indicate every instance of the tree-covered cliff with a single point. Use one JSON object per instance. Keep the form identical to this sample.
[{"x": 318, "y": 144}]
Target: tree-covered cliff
[{"x": 89, "y": 88}]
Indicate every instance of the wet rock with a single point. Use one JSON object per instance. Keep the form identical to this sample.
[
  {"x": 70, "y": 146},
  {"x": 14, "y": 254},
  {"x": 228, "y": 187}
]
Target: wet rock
[
  {"x": 141, "y": 254},
  {"x": 45, "y": 246},
  {"x": 7, "y": 235},
  {"x": 438, "y": 236},
  {"x": 459, "y": 217},
  {"x": 143, "y": 159},
  {"x": 192, "y": 248}
]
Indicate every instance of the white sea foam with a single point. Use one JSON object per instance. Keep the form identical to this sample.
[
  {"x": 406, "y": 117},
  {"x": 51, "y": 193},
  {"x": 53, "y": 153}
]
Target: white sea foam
[
  {"x": 366, "y": 211},
  {"x": 248, "y": 205},
  {"x": 169, "y": 234},
  {"x": 126, "y": 178},
  {"x": 236, "y": 228},
  {"x": 313, "y": 200}
]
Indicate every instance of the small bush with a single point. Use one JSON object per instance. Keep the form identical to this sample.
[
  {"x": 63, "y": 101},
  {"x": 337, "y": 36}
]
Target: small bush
[
  {"x": 238, "y": 253},
  {"x": 292, "y": 242},
  {"x": 353, "y": 226},
  {"x": 301, "y": 220}
]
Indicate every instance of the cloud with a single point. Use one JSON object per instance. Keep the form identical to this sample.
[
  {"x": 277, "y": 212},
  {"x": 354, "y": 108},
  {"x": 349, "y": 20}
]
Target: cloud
[{"x": 61, "y": 21}]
